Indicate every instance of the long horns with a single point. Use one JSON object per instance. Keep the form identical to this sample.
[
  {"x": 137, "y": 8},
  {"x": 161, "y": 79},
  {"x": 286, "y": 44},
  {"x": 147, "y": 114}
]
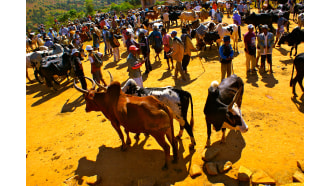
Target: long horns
[
  {"x": 82, "y": 90},
  {"x": 103, "y": 87},
  {"x": 237, "y": 95}
]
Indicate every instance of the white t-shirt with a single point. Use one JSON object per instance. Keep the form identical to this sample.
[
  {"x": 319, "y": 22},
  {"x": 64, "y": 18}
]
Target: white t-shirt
[{"x": 269, "y": 49}]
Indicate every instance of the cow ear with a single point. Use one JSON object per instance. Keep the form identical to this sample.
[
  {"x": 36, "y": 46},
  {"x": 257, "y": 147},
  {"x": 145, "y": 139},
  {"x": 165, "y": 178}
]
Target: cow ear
[{"x": 91, "y": 95}]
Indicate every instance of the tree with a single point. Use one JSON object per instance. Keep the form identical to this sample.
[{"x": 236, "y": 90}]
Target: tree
[
  {"x": 89, "y": 7},
  {"x": 73, "y": 13}
]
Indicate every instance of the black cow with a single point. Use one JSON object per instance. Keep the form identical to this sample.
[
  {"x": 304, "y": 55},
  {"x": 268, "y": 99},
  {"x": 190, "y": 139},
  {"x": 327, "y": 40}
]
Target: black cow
[
  {"x": 276, "y": 15},
  {"x": 297, "y": 9},
  {"x": 292, "y": 39},
  {"x": 223, "y": 106},
  {"x": 173, "y": 16},
  {"x": 206, "y": 5},
  {"x": 208, "y": 39},
  {"x": 257, "y": 19},
  {"x": 299, "y": 64}
]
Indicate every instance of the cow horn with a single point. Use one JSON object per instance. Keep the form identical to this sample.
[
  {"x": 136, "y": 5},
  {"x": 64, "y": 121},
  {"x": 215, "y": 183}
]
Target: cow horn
[
  {"x": 230, "y": 106},
  {"x": 111, "y": 78},
  {"x": 82, "y": 90},
  {"x": 101, "y": 86}
]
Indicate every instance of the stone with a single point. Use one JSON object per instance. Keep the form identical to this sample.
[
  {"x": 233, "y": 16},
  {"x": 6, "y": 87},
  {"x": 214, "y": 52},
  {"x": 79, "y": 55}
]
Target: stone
[
  {"x": 146, "y": 181},
  {"x": 195, "y": 170},
  {"x": 293, "y": 184},
  {"x": 72, "y": 181},
  {"x": 224, "y": 167},
  {"x": 300, "y": 164},
  {"x": 92, "y": 180},
  {"x": 260, "y": 177},
  {"x": 211, "y": 168},
  {"x": 298, "y": 176},
  {"x": 244, "y": 174},
  {"x": 218, "y": 184},
  {"x": 210, "y": 153}
]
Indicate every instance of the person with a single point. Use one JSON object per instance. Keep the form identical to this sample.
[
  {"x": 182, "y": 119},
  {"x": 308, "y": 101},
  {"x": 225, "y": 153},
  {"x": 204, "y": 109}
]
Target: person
[
  {"x": 237, "y": 21},
  {"x": 49, "y": 43},
  {"x": 226, "y": 56},
  {"x": 250, "y": 49},
  {"x": 52, "y": 34},
  {"x": 114, "y": 43},
  {"x": 228, "y": 8},
  {"x": 106, "y": 40},
  {"x": 145, "y": 50},
  {"x": 167, "y": 42},
  {"x": 96, "y": 71},
  {"x": 266, "y": 40},
  {"x": 280, "y": 28},
  {"x": 78, "y": 68},
  {"x": 156, "y": 42},
  {"x": 240, "y": 8},
  {"x": 218, "y": 16},
  {"x": 40, "y": 41},
  {"x": 134, "y": 65},
  {"x": 188, "y": 46},
  {"x": 130, "y": 40},
  {"x": 96, "y": 39},
  {"x": 64, "y": 31},
  {"x": 198, "y": 7},
  {"x": 177, "y": 54},
  {"x": 166, "y": 21},
  {"x": 76, "y": 39},
  {"x": 214, "y": 5}
]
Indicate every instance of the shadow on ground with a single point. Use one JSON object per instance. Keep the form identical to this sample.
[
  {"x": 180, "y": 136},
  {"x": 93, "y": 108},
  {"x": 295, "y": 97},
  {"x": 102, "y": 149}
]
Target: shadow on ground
[
  {"x": 71, "y": 106},
  {"x": 114, "y": 166},
  {"x": 269, "y": 79}
]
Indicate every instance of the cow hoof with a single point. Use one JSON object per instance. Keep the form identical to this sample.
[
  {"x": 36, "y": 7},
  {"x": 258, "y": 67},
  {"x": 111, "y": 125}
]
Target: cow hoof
[{"x": 191, "y": 147}]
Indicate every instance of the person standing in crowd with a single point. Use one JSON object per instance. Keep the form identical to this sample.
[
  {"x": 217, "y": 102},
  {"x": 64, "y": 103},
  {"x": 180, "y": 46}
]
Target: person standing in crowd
[
  {"x": 167, "y": 42},
  {"x": 166, "y": 21},
  {"x": 96, "y": 71},
  {"x": 113, "y": 40},
  {"x": 78, "y": 68},
  {"x": 188, "y": 46},
  {"x": 96, "y": 39},
  {"x": 106, "y": 40},
  {"x": 145, "y": 50},
  {"x": 228, "y": 8},
  {"x": 40, "y": 41},
  {"x": 237, "y": 21},
  {"x": 226, "y": 56},
  {"x": 250, "y": 49},
  {"x": 134, "y": 65},
  {"x": 49, "y": 43},
  {"x": 218, "y": 16},
  {"x": 52, "y": 34},
  {"x": 266, "y": 40},
  {"x": 64, "y": 31},
  {"x": 177, "y": 54},
  {"x": 280, "y": 27},
  {"x": 130, "y": 40},
  {"x": 76, "y": 39},
  {"x": 156, "y": 41}
]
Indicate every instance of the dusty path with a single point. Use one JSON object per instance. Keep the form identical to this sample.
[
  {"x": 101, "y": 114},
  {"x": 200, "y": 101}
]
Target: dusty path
[{"x": 63, "y": 140}]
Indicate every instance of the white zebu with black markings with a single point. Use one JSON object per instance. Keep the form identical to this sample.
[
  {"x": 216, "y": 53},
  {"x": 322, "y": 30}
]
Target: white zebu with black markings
[{"x": 176, "y": 99}]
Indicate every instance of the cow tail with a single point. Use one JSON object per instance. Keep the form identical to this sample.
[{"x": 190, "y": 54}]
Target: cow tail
[
  {"x": 192, "y": 113},
  {"x": 292, "y": 74},
  {"x": 170, "y": 115}
]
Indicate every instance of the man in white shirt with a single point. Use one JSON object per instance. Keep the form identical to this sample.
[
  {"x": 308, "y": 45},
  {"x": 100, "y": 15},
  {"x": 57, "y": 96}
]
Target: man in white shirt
[
  {"x": 266, "y": 42},
  {"x": 166, "y": 21}
]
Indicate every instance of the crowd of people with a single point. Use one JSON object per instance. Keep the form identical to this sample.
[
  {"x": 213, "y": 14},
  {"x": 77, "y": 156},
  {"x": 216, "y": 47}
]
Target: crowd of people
[{"x": 110, "y": 28}]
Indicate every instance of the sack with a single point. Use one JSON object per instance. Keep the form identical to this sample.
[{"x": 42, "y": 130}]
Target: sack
[
  {"x": 115, "y": 41},
  {"x": 97, "y": 60}
]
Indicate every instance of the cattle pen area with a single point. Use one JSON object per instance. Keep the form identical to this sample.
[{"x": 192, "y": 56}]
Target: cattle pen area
[{"x": 65, "y": 145}]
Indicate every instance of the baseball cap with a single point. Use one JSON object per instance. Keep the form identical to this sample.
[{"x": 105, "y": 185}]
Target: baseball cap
[
  {"x": 174, "y": 32},
  {"x": 133, "y": 47}
]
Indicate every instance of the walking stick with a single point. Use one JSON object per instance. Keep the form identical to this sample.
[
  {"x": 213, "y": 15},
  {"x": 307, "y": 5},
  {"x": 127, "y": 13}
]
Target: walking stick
[
  {"x": 232, "y": 67},
  {"x": 201, "y": 60}
]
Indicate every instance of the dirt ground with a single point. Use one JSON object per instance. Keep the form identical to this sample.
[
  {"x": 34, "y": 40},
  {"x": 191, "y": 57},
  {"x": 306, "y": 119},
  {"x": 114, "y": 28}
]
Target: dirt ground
[{"x": 62, "y": 140}]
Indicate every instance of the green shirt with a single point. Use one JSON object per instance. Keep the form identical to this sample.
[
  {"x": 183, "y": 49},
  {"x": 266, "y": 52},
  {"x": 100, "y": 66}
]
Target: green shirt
[{"x": 131, "y": 61}]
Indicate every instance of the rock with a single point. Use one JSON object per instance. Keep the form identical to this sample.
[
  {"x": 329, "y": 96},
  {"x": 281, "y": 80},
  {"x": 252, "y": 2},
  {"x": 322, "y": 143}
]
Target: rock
[
  {"x": 218, "y": 184},
  {"x": 224, "y": 167},
  {"x": 262, "y": 177},
  {"x": 209, "y": 153},
  {"x": 300, "y": 164},
  {"x": 211, "y": 168},
  {"x": 298, "y": 176},
  {"x": 146, "y": 181},
  {"x": 195, "y": 170},
  {"x": 294, "y": 184},
  {"x": 244, "y": 174},
  {"x": 92, "y": 180},
  {"x": 72, "y": 181}
]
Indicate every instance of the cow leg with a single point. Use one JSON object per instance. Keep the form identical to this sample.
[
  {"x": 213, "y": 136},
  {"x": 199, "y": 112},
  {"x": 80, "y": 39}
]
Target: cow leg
[
  {"x": 173, "y": 142},
  {"x": 294, "y": 82},
  {"x": 296, "y": 47},
  {"x": 291, "y": 51},
  {"x": 190, "y": 132},
  {"x": 117, "y": 128},
  {"x": 160, "y": 138},
  {"x": 208, "y": 141},
  {"x": 300, "y": 79},
  {"x": 223, "y": 138},
  {"x": 128, "y": 140}
]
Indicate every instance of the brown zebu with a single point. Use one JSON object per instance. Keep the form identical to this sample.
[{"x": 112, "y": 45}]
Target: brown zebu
[{"x": 135, "y": 114}]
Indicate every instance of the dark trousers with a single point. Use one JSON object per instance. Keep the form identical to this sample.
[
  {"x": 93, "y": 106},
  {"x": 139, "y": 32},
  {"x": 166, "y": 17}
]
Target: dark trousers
[
  {"x": 185, "y": 62},
  {"x": 147, "y": 63},
  {"x": 263, "y": 59},
  {"x": 239, "y": 32},
  {"x": 83, "y": 82}
]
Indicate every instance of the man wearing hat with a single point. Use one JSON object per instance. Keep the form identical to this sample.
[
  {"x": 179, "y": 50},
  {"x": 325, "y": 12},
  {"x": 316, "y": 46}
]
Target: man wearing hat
[
  {"x": 76, "y": 39},
  {"x": 96, "y": 39},
  {"x": 156, "y": 41},
  {"x": 64, "y": 31},
  {"x": 237, "y": 21},
  {"x": 226, "y": 56},
  {"x": 106, "y": 40},
  {"x": 188, "y": 47},
  {"x": 114, "y": 43},
  {"x": 130, "y": 40},
  {"x": 145, "y": 49},
  {"x": 266, "y": 42},
  {"x": 167, "y": 42},
  {"x": 78, "y": 68},
  {"x": 52, "y": 34},
  {"x": 134, "y": 65},
  {"x": 40, "y": 41},
  {"x": 250, "y": 49},
  {"x": 49, "y": 43},
  {"x": 96, "y": 71},
  {"x": 177, "y": 54}
]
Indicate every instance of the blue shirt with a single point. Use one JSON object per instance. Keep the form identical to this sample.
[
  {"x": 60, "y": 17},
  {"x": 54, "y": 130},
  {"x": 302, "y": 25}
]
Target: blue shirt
[
  {"x": 221, "y": 52},
  {"x": 49, "y": 43}
]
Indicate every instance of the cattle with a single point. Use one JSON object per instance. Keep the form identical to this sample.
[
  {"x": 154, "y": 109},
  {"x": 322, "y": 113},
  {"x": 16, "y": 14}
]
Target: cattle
[
  {"x": 31, "y": 42},
  {"x": 283, "y": 7},
  {"x": 207, "y": 4},
  {"x": 230, "y": 30},
  {"x": 135, "y": 114},
  {"x": 174, "y": 16},
  {"x": 298, "y": 63},
  {"x": 208, "y": 38},
  {"x": 257, "y": 19},
  {"x": 301, "y": 20},
  {"x": 223, "y": 107},
  {"x": 152, "y": 15},
  {"x": 293, "y": 39},
  {"x": 187, "y": 16},
  {"x": 276, "y": 15},
  {"x": 297, "y": 9},
  {"x": 176, "y": 99},
  {"x": 203, "y": 14}
]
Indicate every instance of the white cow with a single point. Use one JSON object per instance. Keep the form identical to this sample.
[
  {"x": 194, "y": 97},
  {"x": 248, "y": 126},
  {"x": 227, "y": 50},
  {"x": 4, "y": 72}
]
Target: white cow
[
  {"x": 230, "y": 30},
  {"x": 188, "y": 16}
]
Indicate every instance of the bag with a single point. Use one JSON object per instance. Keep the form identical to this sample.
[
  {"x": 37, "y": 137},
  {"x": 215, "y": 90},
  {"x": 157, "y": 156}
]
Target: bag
[
  {"x": 115, "y": 41},
  {"x": 97, "y": 60}
]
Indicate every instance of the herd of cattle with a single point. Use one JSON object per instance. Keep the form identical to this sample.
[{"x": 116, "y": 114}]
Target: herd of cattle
[{"x": 152, "y": 110}]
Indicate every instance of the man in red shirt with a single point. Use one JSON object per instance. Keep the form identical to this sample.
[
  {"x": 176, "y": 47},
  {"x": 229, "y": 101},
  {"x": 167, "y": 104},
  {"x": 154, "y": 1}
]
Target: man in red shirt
[
  {"x": 250, "y": 49},
  {"x": 167, "y": 42}
]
